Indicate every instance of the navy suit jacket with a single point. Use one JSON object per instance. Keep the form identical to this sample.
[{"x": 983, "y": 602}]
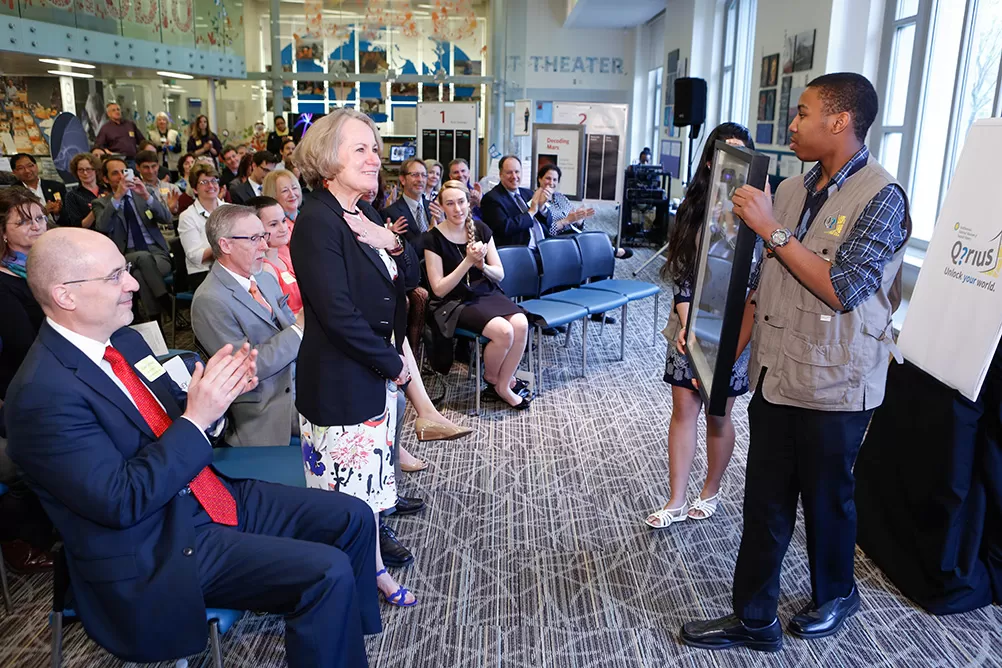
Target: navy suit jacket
[
  {"x": 401, "y": 208},
  {"x": 111, "y": 489},
  {"x": 353, "y": 310},
  {"x": 240, "y": 193},
  {"x": 508, "y": 224}
]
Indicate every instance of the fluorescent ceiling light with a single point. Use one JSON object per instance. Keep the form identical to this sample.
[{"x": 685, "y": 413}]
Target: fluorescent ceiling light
[
  {"x": 67, "y": 63},
  {"x": 78, "y": 75},
  {"x": 175, "y": 75}
]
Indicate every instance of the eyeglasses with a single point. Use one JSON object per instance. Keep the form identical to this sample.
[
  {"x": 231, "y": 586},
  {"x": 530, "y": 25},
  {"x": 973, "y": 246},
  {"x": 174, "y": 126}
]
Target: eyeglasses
[
  {"x": 420, "y": 175},
  {"x": 256, "y": 238},
  {"x": 115, "y": 277},
  {"x": 39, "y": 221},
  {"x": 208, "y": 182},
  {"x": 85, "y": 169}
]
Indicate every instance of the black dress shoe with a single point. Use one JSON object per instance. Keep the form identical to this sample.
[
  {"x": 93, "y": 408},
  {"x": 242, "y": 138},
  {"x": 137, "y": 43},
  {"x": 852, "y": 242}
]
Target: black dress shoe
[
  {"x": 609, "y": 320},
  {"x": 819, "y": 621},
  {"x": 730, "y": 631},
  {"x": 25, "y": 559},
  {"x": 408, "y": 505},
  {"x": 394, "y": 554}
]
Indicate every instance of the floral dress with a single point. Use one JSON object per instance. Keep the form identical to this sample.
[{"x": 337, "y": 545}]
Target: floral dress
[
  {"x": 677, "y": 370},
  {"x": 355, "y": 459}
]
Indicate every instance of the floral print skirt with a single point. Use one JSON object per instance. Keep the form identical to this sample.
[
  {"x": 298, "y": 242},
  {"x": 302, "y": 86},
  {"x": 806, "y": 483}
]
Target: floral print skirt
[{"x": 354, "y": 459}]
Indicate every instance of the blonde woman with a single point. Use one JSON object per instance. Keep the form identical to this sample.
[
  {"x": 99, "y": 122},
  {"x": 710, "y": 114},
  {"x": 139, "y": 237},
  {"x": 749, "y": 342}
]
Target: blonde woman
[
  {"x": 283, "y": 186},
  {"x": 465, "y": 273}
]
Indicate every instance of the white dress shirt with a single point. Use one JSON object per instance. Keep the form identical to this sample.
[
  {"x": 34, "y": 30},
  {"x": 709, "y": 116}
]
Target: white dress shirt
[
  {"x": 191, "y": 230},
  {"x": 94, "y": 351},
  {"x": 37, "y": 191},
  {"x": 416, "y": 208}
]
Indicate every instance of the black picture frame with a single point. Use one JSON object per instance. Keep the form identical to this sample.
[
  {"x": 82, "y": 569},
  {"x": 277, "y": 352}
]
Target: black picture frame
[
  {"x": 769, "y": 75},
  {"x": 803, "y": 52},
  {"x": 767, "y": 105},
  {"x": 726, "y": 251}
]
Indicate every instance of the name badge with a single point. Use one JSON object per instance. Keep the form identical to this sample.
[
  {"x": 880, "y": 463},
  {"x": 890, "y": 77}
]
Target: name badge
[
  {"x": 150, "y": 368},
  {"x": 198, "y": 142},
  {"x": 149, "y": 214},
  {"x": 287, "y": 277},
  {"x": 56, "y": 196},
  {"x": 131, "y": 133}
]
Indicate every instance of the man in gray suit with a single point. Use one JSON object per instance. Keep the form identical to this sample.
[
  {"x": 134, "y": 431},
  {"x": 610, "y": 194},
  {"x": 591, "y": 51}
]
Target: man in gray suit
[
  {"x": 131, "y": 217},
  {"x": 238, "y": 302}
]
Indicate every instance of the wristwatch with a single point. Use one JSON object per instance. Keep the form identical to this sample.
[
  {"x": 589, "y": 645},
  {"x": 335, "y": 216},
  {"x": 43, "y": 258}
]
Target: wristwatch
[
  {"x": 779, "y": 238},
  {"x": 396, "y": 250}
]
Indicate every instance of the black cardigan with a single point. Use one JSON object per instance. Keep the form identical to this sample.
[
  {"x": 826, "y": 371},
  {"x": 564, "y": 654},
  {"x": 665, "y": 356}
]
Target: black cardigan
[{"x": 352, "y": 309}]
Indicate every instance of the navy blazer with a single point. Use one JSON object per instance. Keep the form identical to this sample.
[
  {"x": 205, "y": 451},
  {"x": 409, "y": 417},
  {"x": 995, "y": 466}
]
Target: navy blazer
[
  {"x": 352, "y": 310},
  {"x": 111, "y": 489},
  {"x": 111, "y": 221},
  {"x": 509, "y": 226},
  {"x": 401, "y": 208},
  {"x": 241, "y": 192}
]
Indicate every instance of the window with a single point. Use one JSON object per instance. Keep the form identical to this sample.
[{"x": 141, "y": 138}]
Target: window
[
  {"x": 941, "y": 69},
  {"x": 727, "y": 77},
  {"x": 655, "y": 79}
]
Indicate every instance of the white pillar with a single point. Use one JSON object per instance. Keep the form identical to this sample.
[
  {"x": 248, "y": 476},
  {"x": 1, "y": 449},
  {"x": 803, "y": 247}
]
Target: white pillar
[{"x": 211, "y": 106}]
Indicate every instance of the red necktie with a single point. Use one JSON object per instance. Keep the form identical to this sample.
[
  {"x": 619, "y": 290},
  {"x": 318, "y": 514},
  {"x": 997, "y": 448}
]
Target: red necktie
[
  {"x": 258, "y": 297},
  {"x": 207, "y": 488}
]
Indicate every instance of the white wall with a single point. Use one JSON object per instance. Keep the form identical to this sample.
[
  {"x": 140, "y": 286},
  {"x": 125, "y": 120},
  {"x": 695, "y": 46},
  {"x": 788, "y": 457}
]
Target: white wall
[{"x": 556, "y": 63}]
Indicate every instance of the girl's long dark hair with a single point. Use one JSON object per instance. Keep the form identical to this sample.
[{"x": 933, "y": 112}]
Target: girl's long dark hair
[{"x": 680, "y": 263}]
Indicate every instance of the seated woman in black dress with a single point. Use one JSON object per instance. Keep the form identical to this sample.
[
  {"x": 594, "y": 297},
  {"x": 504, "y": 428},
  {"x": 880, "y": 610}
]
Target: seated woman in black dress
[
  {"x": 25, "y": 530},
  {"x": 465, "y": 273},
  {"x": 78, "y": 213}
]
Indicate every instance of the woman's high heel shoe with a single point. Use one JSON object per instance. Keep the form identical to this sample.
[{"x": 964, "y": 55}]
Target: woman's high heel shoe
[{"x": 428, "y": 430}]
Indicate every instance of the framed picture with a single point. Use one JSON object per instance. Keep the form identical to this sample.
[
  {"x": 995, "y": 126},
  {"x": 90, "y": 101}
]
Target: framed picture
[
  {"x": 803, "y": 52},
  {"x": 789, "y": 45},
  {"x": 770, "y": 71},
  {"x": 783, "y": 127},
  {"x": 763, "y": 133},
  {"x": 767, "y": 105},
  {"x": 726, "y": 251}
]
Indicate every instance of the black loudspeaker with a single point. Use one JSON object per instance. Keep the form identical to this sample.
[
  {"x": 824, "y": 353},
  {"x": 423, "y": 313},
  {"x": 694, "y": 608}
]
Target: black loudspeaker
[{"x": 690, "y": 101}]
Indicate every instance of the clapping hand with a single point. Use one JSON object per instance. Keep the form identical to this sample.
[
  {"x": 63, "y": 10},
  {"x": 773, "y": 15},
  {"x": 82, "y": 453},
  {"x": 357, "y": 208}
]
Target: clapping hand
[
  {"x": 173, "y": 197},
  {"x": 214, "y": 387},
  {"x": 476, "y": 253},
  {"x": 398, "y": 226},
  {"x": 436, "y": 211},
  {"x": 476, "y": 194}
]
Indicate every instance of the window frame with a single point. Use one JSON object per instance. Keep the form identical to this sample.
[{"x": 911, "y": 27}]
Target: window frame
[{"x": 732, "y": 47}]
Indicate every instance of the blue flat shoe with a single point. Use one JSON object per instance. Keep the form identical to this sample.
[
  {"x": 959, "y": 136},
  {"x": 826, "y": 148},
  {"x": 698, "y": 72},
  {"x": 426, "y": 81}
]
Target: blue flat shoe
[{"x": 398, "y": 597}]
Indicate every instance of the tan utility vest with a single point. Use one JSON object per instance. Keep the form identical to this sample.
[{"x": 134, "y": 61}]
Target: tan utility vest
[{"x": 816, "y": 357}]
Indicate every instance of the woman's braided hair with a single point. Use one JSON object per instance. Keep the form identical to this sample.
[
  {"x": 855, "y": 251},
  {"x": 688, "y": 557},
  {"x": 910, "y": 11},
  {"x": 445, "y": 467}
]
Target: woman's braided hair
[{"x": 471, "y": 230}]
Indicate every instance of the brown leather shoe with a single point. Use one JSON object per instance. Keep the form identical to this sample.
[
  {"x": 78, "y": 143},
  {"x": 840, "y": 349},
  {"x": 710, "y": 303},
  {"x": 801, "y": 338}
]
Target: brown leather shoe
[
  {"x": 434, "y": 431},
  {"x": 24, "y": 559}
]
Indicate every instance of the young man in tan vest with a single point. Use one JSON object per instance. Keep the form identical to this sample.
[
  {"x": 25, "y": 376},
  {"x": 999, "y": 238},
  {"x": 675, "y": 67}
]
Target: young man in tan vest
[{"x": 820, "y": 349}]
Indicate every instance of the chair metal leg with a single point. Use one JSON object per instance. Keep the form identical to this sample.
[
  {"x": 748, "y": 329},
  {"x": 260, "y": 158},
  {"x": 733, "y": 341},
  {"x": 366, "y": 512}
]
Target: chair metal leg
[
  {"x": 3, "y": 585},
  {"x": 476, "y": 344},
  {"x": 654, "y": 334},
  {"x": 584, "y": 346},
  {"x": 601, "y": 327},
  {"x": 217, "y": 650},
  {"x": 567, "y": 338},
  {"x": 173, "y": 322},
  {"x": 622, "y": 334},
  {"x": 57, "y": 639},
  {"x": 539, "y": 359}
]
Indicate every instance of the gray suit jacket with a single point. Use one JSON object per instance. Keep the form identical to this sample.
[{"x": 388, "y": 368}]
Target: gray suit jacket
[
  {"x": 223, "y": 312},
  {"x": 111, "y": 221}
]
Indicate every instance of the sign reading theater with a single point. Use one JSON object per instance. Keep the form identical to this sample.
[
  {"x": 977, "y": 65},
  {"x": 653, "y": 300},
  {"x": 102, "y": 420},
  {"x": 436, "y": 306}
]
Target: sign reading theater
[{"x": 569, "y": 64}]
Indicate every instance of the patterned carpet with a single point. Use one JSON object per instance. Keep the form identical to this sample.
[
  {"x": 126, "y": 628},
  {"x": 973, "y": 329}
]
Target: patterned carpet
[{"x": 532, "y": 552}]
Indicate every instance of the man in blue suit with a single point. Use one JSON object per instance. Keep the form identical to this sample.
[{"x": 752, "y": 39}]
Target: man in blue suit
[
  {"x": 131, "y": 217},
  {"x": 153, "y": 535},
  {"x": 515, "y": 215},
  {"x": 412, "y": 205}
]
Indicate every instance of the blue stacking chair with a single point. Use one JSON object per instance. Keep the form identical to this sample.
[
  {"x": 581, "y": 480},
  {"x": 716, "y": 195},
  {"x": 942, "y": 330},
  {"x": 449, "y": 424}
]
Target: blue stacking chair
[
  {"x": 178, "y": 285},
  {"x": 3, "y": 570},
  {"x": 561, "y": 260},
  {"x": 521, "y": 283},
  {"x": 218, "y": 619},
  {"x": 478, "y": 342},
  {"x": 274, "y": 463},
  {"x": 598, "y": 261}
]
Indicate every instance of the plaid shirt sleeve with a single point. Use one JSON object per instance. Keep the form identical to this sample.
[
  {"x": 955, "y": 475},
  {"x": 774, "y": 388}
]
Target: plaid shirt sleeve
[{"x": 860, "y": 260}]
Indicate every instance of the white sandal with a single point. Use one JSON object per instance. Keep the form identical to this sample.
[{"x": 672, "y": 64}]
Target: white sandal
[
  {"x": 667, "y": 516},
  {"x": 705, "y": 506}
]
